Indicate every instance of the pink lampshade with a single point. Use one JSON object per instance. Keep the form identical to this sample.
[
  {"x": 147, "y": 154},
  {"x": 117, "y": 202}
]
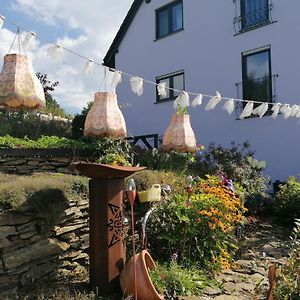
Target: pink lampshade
[
  {"x": 105, "y": 118},
  {"x": 179, "y": 135},
  {"x": 19, "y": 86}
]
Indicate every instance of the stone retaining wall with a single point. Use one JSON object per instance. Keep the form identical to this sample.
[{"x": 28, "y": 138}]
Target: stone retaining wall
[
  {"x": 28, "y": 161},
  {"x": 31, "y": 250}
]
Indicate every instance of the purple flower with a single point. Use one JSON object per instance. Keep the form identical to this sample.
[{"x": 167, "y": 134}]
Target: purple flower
[{"x": 174, "y": 257}]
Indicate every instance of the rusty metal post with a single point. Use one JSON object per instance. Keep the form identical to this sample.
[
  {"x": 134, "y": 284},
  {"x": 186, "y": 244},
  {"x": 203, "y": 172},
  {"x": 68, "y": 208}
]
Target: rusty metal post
[{"x": 107, "y": 250}]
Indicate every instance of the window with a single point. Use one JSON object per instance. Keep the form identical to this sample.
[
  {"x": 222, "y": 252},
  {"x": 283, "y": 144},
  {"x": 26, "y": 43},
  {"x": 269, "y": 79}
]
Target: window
[
  {"x": 169, "y": 19},
  {"x": 254, "y": 12},
  {"x": 257, "y": 76},
  {"x": 173, "y": 81}
]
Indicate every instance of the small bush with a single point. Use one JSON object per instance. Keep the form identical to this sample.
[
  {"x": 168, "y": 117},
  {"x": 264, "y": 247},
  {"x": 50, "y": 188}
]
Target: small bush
[
  {"x": 237, "y": 163},
  {"x": 16, "y": 190},
  {"x": 288, "y": 276},
  {"x": 158, "y": 160},
  {"x": 146, "y": 178},
  {"x": 201, "y": 229},
  {"x": 287, "y": 202},
  {"x": 23, "y": 123},
  {"x": 172, "y": 280}
]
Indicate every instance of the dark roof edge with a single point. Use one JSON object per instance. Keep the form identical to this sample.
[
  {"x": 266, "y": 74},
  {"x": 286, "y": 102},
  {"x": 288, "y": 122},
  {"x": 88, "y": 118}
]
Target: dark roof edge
[{"x": 109, "y": 59}]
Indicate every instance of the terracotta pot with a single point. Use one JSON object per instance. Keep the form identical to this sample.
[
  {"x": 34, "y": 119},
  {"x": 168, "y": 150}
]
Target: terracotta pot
[
  {"x": 145, "y": 287},
  {"x": 19, "y": 86},
  {"x": 179, "y": 136},
  {"x": 105, "y": 118}
]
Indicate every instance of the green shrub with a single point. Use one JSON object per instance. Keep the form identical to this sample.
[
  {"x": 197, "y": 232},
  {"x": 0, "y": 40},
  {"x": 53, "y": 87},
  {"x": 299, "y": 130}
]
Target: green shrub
[
  {"x": 173, "y": 280},
  {"x": 288, "y": 276},
  {"x": 146, "y": 178},
  {"x": 237, "y": 163},
  {"x": 15, "y": 191},
  {"x": 200, "y": 230},
  {"x": 287, "y": 202},
  {"x": 159, "y": 160},
  {"x": 31, "y": 124}
]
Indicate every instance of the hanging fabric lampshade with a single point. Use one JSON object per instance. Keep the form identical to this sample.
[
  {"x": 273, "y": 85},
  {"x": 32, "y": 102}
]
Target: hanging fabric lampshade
[
  {"x": 179, "y": 136},
  {"x": 19, "y": 86},
  {"x": 105, "y": 118}
]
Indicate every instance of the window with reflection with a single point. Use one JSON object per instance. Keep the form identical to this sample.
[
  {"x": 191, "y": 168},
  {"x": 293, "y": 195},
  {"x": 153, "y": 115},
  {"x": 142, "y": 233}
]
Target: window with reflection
[
  {"x": 254, "y": 12},
  {"x": 257, "y": 76},
  {"x": 169, "y": 19},
  {"x": 173, "y": 81}
]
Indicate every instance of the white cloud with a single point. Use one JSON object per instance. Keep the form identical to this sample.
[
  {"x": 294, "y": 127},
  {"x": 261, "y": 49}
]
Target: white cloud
[{"x": 96, "y": 20}]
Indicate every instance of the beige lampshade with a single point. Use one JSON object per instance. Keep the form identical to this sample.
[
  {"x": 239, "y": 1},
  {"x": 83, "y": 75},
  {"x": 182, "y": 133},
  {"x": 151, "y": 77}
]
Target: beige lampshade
[
  {"x": 105, "y": 118},
  {"x": 179, "y": 136},
  {"x": 19, "y": 86}
]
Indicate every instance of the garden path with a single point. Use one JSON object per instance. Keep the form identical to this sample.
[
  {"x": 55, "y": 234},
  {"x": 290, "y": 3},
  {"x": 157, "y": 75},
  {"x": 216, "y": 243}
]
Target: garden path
[{"x": 263, "y": 243}]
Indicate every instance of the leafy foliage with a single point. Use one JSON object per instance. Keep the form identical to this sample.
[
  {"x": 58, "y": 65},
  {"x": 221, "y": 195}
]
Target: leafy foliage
[
  {"x": 79, "y": 120},
  {"x": 287, "y": 203},
  {"x": 237, "y": 163},
  {"x": 199, "y": 229},
  {"x": 52, "y": 105},
  {"x": 172, "y": 280},
  {"x": 43, "y": 142},
  {"x": 44, "y": 192},
  {"x": 288, "y": 276},
  {"x": 24, "y": 123},
  {"x": 159, "y": 160}
]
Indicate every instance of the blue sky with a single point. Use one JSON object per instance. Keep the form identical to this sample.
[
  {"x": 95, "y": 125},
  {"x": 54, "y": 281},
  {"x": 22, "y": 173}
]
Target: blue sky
[{"x": 86, "y": 27}]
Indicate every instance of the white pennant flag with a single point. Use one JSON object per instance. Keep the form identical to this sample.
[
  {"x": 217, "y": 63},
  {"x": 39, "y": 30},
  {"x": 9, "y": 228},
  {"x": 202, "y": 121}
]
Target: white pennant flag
[
  {"x": 212, "y": 103},
  {"x": 1, "y": 21},
  {"x": 294, "y": 110},
  {"x": 29, "y": 38},
  {"x": 182, "y": 101},
  {"x": 161, "y": 89},
  {"x": 89, "y": 67},
  {"x": 275, "y": 109},
  {"x": 247, "y": 110},
  {"x": 137, "y": 85},
  {"x": 197, "y": 101},
  {"x": 117, "y": 78},
  {"x": 56, "y": 52},
  {"x": 229, "y": 106},
  {"x": 261, "y": 109},
  {"x": 286, "y": 110}
]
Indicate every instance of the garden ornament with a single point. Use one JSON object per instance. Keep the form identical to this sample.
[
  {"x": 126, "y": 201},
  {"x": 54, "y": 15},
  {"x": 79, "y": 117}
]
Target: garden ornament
[
  {"x": 19, "y": 86},
  {"x": 146, "y": 290},
  {"x": 179, "y": 135},
  {"x": 105, "y": 118},
  {"x": 131, "y": 193}
]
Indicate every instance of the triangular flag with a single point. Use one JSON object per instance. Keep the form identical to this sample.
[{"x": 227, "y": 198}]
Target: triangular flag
[
  {"x": 275, "y": 109},
  {"x": 197, "y": 101},
  {"x": 88, "y": 68},
  {"x": 56, "y": 52},
  {"x": 1, "y": 21},
  {"x": 229, "y": 106},
  {"x": 137, "y": 85},
  {"x": 161, "y": 89},
  {"x": 286, "y": 110},
  {"x": 294, "y": 110},
  {"x": 213, "y": 101},
  {"x": 117, "y": 78},
  {"x": 261, "y": 109},
  {"x": 182, "y": 101},
  {"x": 28, "y": 39},
  {"x": 247, "y": 110}
]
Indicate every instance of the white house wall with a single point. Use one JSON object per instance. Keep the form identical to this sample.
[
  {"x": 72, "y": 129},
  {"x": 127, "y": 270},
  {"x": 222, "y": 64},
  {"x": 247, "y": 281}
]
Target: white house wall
[{"x": 210, "y": 55}]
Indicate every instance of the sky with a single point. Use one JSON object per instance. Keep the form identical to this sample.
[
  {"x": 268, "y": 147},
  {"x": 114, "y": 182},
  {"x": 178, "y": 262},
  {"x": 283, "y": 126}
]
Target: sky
[{"x": 86, "y": 27}]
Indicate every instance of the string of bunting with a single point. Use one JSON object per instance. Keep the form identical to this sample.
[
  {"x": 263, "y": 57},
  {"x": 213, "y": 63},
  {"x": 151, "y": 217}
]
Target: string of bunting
[{"x": 56, "y": 51}]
